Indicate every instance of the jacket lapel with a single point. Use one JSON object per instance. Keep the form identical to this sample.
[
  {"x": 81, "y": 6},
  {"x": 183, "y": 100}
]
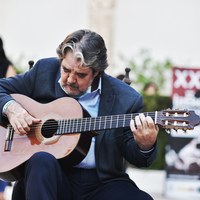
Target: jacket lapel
[{"x": 106, "y": 105}]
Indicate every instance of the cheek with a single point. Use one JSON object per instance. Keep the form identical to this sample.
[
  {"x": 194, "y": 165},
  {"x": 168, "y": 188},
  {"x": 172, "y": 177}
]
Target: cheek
[
  {"x": 84, "y": 84},
  {"x": 64, "y": 77}
]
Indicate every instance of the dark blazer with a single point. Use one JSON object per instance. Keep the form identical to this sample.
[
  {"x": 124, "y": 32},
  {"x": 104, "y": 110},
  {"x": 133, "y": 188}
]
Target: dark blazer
[{"x": 112, "y": 146}]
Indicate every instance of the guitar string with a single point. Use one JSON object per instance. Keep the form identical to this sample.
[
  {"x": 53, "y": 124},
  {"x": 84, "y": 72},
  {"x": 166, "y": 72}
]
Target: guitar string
[
  {"x": 98, "y": 120},
  {"x": 88, "y": 120}
]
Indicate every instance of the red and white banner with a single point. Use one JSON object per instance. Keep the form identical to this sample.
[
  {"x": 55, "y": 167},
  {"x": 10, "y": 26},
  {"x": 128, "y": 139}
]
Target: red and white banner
[
  {"x": 184, "y": 80},
  {"x": 183, "y": 152}
]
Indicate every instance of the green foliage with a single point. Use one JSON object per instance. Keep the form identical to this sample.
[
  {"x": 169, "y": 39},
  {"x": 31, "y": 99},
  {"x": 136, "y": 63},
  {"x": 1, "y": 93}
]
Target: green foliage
[{"x": 145, "y": 69}]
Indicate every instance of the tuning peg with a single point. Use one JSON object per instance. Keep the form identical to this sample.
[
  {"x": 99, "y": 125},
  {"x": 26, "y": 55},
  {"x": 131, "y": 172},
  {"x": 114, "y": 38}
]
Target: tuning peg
[{"x": 167, "y": 131}]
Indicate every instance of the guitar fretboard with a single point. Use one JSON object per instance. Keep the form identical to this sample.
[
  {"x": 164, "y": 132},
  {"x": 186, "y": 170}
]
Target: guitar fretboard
[{"x": 97, "y": 123}]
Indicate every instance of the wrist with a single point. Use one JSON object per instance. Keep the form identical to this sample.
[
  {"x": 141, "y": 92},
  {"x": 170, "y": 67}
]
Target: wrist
[{"x": 5, "y": 107}]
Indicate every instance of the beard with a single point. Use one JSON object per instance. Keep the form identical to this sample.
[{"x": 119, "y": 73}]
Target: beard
[{"x": 75, "y": 87}]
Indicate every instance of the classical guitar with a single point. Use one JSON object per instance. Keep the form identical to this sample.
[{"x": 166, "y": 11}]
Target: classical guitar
[{"x": 66, "y": 133}]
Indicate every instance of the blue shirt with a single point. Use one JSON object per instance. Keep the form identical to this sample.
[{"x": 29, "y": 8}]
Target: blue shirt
[{"x": 90, "y": 101}]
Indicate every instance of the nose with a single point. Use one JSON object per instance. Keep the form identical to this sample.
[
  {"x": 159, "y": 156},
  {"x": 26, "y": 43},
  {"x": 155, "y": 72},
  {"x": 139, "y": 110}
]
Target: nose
[{"x": 71, "y": 78}]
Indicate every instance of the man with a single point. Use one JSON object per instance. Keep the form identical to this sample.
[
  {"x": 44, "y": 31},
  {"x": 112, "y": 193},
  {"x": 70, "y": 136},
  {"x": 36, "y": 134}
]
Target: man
[{"x": 79, "y": 73}]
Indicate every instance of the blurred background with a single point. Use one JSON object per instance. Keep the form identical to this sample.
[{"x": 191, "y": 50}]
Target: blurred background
[
  {"x": 158, "y": 40},
  {"x": 163, "y": 29}
]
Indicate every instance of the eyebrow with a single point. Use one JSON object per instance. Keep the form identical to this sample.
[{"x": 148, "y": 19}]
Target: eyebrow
[
  {"x": 82, "y": 73},
  {"x": 63, "y": 66}
]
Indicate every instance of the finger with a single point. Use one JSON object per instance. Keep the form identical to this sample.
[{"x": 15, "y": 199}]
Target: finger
[
  {"x": 151, "y": 123},
  {"x": 25, "y": 128},
  {"x": 28, "y": 120},
  {"x": 18, "y": 128},
  {"x": 36, "y": 120},
  {"x": 138, "y": 123},
  {"x": 143, "y": 120},
  {"x": 132, "y": 125},
  {"x": 31, "y": 120},
  {"x": 149, "y": 119}
]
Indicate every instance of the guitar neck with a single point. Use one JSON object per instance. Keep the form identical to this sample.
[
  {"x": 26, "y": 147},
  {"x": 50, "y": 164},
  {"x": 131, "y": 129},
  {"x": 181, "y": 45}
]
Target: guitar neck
[
  {"x": 167, "y": 119},
  {"x": 98, "y": 123}
]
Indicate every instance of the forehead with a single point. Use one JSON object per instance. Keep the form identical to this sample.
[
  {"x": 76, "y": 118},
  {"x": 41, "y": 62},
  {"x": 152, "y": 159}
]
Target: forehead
[{"x": 72, "y": 63}]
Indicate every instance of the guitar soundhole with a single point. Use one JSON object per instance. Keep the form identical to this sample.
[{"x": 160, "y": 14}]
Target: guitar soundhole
[{"x": 49, "y": 128}]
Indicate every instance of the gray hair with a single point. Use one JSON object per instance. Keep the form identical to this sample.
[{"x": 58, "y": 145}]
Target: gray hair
[{"x": 88, "y": 47}]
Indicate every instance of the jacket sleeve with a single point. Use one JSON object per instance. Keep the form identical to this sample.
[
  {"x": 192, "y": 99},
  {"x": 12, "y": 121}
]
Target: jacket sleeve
[
  {"x": 21, "y": 83},
  {"x": 40, "y": 83},
  {"x": 131, "y": 152}
]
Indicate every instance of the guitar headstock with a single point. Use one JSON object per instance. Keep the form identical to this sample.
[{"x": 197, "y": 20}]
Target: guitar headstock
[{"x": 177, "y": 119}]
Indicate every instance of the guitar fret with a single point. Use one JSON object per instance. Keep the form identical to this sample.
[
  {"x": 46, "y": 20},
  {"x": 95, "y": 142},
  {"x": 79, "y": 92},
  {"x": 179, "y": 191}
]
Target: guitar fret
[
  {"x": 70, "y": 125},
  {"x": 105, "y": 122},
  {"x": 76, "y": 125},
  {"x": 96, "y": 126},
  {"x": 73, "y": 126},
  {"x": 123, "y": 120},
  {"x": 117, "y": 124},
  {"x": 79, "y": 124},
  {"x": 62, "y": 125},
  {"x": 67, "y": 126},
  {"x": 85, "y": 124},
  {"x": 80, "y": 127},
  {"x": 111, "y": 121},
  {"x": 90, "y": 124},
  {"x": 94, "y": 123},
  {"x": 100, "y": 123},
  {"x": 120, "y": 122}
]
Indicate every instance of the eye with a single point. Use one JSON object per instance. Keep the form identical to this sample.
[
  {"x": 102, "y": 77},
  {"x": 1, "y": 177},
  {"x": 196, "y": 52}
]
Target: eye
[
  {"x": 81, "y": 75},
  {"x": 66, "y": 70}
]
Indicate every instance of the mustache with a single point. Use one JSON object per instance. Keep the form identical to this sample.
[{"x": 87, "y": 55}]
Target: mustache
[{"x": 72, "y": 85}]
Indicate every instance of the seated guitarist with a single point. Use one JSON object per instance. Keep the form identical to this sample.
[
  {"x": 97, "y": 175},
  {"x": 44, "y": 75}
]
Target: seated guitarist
[{"x": 78, "y": 72}]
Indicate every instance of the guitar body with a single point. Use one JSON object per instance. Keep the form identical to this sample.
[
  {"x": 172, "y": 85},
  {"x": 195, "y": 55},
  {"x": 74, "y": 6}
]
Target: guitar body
[
  {"x": 69, "y": 149},
  {"x": 66, "y": 132}
]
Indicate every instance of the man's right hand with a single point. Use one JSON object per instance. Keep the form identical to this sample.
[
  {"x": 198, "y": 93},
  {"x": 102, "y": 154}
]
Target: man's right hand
[{"x": 19, "y": 118}]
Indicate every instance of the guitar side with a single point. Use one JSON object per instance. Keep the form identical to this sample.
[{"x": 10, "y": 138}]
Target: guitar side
[{"x": 69, "y": 149}]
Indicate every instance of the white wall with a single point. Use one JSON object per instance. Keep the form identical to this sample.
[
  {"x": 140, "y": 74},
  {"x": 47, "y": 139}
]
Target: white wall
[
  {"x": 32, "y": 29},
  {"x": 169, "y": 28}
]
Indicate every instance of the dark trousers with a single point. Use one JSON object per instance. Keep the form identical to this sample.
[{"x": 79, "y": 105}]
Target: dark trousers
[{"x": 46, "y": 180}]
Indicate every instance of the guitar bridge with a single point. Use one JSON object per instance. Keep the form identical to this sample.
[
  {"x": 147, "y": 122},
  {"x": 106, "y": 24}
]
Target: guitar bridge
[{"x": 9, "y": 138}]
